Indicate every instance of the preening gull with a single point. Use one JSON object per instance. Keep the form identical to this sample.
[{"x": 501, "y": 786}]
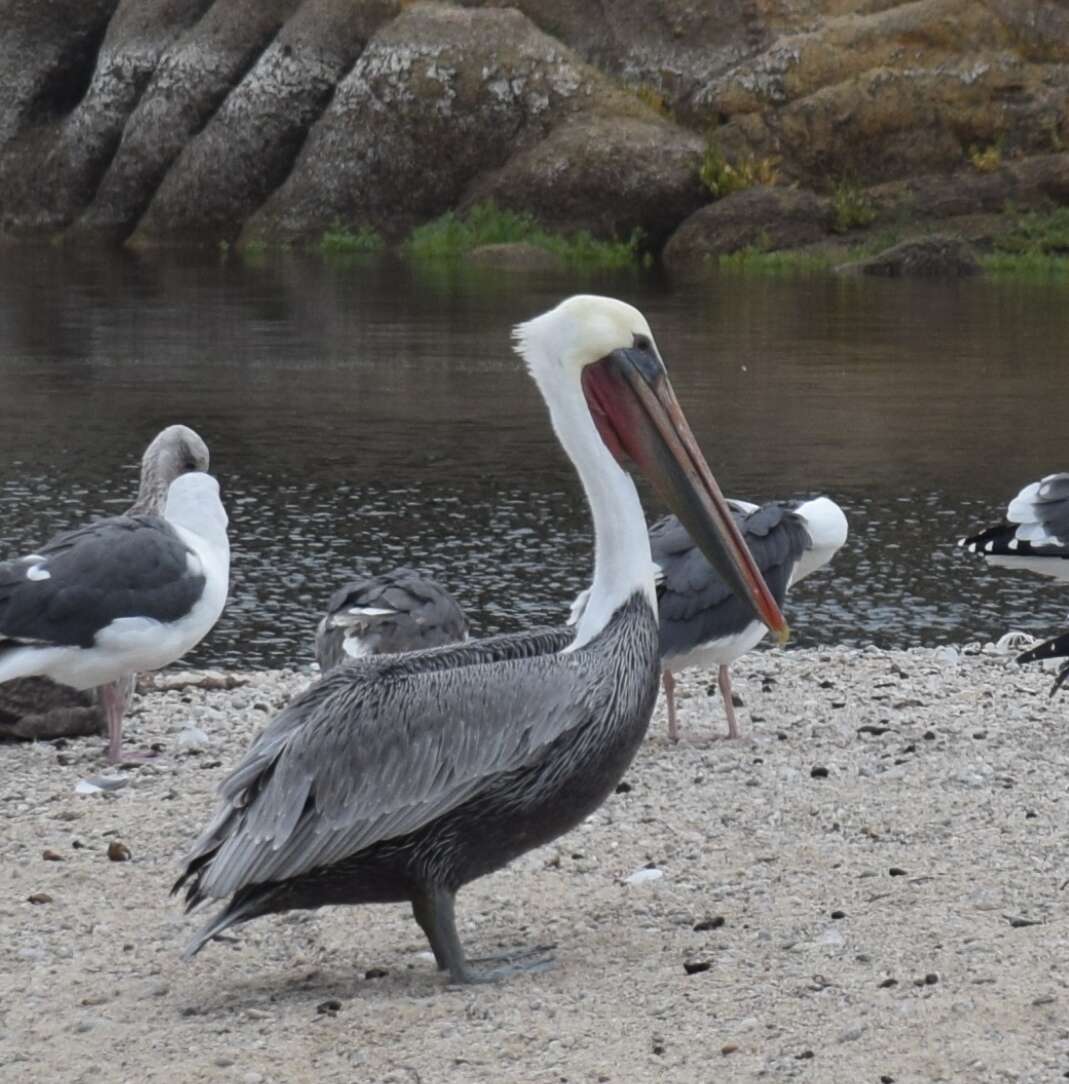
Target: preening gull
[
  {"x": 119, "y": 596},
  {"x": 395, "y": 611},
  {"x": 703, "y": 622},
  {"x": 404, "y": 777},
  {"x": 37, "y": 707}
]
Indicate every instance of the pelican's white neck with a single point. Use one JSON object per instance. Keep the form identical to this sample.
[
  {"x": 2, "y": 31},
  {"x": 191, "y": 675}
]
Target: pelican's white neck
[{"x": 622, "y": 563}]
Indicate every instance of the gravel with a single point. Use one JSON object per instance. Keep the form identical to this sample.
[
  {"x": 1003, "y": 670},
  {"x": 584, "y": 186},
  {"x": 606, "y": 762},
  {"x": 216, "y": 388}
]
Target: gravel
[{"x": 901, "y": 917}]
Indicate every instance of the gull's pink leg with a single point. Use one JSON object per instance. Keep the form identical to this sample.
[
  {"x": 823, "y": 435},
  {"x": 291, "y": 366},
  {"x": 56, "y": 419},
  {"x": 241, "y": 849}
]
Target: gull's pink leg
[
  {"x": 111, "y": 699},
  {"x": 724, "y": 681},
  {"x": 670, "y": 696}
]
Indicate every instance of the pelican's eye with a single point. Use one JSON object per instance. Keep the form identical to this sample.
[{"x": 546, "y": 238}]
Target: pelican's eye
[{"x": 642, "y": 342}]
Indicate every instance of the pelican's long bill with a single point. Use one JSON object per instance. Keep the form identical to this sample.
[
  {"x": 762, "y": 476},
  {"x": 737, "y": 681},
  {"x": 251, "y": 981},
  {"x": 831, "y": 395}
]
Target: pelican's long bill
[{"x": 638, "y": 416}]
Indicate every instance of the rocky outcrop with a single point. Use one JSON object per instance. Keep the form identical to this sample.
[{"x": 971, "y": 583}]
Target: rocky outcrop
[
  {"x": 926, "y": 257},
  {"x": 768, "y": 218},
  {"x": 608, "y": 174},
  {"x": 228, "y": 168},
  {"x": 213, "y": 120},
  {"x": 439, "y": 96}
]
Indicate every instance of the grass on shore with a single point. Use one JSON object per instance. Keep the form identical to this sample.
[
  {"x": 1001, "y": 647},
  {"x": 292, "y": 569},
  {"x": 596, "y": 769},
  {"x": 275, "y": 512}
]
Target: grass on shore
[
  {"x": 453, "y": 235},
  {"x": 341, "y": 239}
]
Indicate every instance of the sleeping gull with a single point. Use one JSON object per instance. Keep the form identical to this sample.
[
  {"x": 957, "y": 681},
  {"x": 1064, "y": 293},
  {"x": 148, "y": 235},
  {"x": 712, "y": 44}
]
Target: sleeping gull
[{"x": 396, "y": 611}]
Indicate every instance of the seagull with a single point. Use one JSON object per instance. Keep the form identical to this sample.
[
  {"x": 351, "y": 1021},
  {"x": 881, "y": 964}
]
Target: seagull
[
  {"x": 36, "y": 707},
  {"x": 117, "y": 597},
  {"x": 703, "y": 622},
  {"x": 396, "y": 611},
  {"x": 1035, "y": 537},
  {"x": 401, "y": 778}
]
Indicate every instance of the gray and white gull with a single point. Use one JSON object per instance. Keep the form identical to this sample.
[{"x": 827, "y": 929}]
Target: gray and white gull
[
  {"x": 401, "y": 778},
  {"x": 1034, "y": 538},
  {"x": 395, "y": 611},
  {"x": 117, "y": 597},
  {"x": 37, "y": 707},
  {"x": 703, "y": 622}
]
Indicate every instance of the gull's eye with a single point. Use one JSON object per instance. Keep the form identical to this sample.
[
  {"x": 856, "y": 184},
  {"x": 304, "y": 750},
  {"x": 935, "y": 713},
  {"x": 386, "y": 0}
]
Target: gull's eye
[{"x": 642, "y": 342}]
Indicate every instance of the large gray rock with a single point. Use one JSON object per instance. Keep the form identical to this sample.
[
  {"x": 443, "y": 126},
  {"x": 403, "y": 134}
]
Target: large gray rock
[
  {"x": 439, "y": 96},
  {"x": 769, "y": 218},
  {"x": 188, "y": 85},
  {"x": 248, "y": 146},
  {"x": 75, "y": 151},
  {"x": 606, "y": 174},
  {"x": 47, "y": 53},
  {"x": 924, "y": 257}
]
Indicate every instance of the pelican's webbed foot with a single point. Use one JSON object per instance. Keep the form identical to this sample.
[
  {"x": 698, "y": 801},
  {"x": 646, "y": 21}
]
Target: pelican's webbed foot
[{"x": 434, "y": 911}]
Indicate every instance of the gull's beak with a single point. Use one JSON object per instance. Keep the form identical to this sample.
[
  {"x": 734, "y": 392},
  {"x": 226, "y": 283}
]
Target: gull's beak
[{"x": 638, "y": 416}]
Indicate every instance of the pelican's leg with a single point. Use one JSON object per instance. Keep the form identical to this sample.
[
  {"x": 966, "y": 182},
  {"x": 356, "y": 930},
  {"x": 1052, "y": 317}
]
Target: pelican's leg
[
  {"x": 724, "y": 681},
  {"x": 434, "y": 911},
  {"x": 669, "y": 683}
]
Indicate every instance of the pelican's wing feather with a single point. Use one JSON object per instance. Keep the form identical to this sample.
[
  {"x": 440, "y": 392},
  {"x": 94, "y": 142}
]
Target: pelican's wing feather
[{"x": 379, "y": 748}]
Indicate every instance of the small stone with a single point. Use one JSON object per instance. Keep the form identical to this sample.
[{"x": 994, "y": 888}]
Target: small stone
[
  {"x": 886, "y": 984},
  {"x": 819, "y": 772},
  {"x": 191, "y": 740},
  {"x": 224, "y": 1061},
  {"x": 838, "y": 914},
  {"x": 696, "y": 967},
  {"x": 931, "y": 978},
  {"x": 896, "y": 871},
  {"x": 928, "y": 735},
  {"x": 376, "y": 973},
  {"x": 329, "y": 1007},
  {"x": 118, "y": 851},
  {"x": 805, "y": 1055},
  {"x": 51, "y": 856},
  {"x": 39, "y": 897},
  {"x": 728, "y": 1048},
  {"x": 852, "y": 1035},
  {"x": 640, "y": 876},
  {"x": 623, "y": 787},
  {"x": 706, "y": 924}
]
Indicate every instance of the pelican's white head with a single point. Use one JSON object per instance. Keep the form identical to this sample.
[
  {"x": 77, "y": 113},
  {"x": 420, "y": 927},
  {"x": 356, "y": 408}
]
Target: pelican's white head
[
  {"x": 580, "y": 331},
  {"x": 598, "y": 368}
]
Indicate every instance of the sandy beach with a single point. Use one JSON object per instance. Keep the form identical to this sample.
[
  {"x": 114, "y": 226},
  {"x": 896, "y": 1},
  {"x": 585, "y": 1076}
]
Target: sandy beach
[{"x": 869, "y": 888}]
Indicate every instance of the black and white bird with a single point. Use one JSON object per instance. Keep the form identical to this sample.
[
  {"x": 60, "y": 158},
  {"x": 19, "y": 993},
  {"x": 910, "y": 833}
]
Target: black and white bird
[
  {"x": 1035, "y": 536},
  {"x": 395, "y": 611},
  {"x": 702, "y": 621},
  {"x": 404, "y": 777},
  {"x": 118, "y": 597},
  {"x": 1057, "y": 647},
  {"x": 38, "y": 708}
]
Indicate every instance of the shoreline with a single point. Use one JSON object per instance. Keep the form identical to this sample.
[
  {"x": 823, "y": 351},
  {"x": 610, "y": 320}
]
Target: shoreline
[{"x": 729, "y": 966}]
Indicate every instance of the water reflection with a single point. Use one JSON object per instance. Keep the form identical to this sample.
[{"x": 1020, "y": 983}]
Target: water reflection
[{"x": 368, "y": 413}]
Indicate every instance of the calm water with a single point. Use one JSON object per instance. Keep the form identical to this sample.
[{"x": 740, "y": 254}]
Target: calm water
[{"x": 368, "y": 415}]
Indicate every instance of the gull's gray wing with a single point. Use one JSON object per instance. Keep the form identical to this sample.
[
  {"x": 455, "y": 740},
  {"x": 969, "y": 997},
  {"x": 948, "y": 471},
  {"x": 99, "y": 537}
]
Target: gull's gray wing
[
  {"x": 125, "y": 566},
  {"x": 695, "y": 605}
]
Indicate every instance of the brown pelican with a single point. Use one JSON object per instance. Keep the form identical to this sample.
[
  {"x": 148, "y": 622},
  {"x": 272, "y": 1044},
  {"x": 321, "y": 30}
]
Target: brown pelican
[
  {"x": 1035, "y": 537},
  {"x": 122, "y": 595},
  {"x": 703, "y": 622},
  {"x": 404, "y": 777},
  {"x": 395, "y": 611},
  {"x": 36, "y": 707}
]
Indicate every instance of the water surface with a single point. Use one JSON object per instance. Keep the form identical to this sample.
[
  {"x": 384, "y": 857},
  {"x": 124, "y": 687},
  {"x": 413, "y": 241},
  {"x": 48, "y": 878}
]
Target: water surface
[{"x": 369, "y": 413}]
